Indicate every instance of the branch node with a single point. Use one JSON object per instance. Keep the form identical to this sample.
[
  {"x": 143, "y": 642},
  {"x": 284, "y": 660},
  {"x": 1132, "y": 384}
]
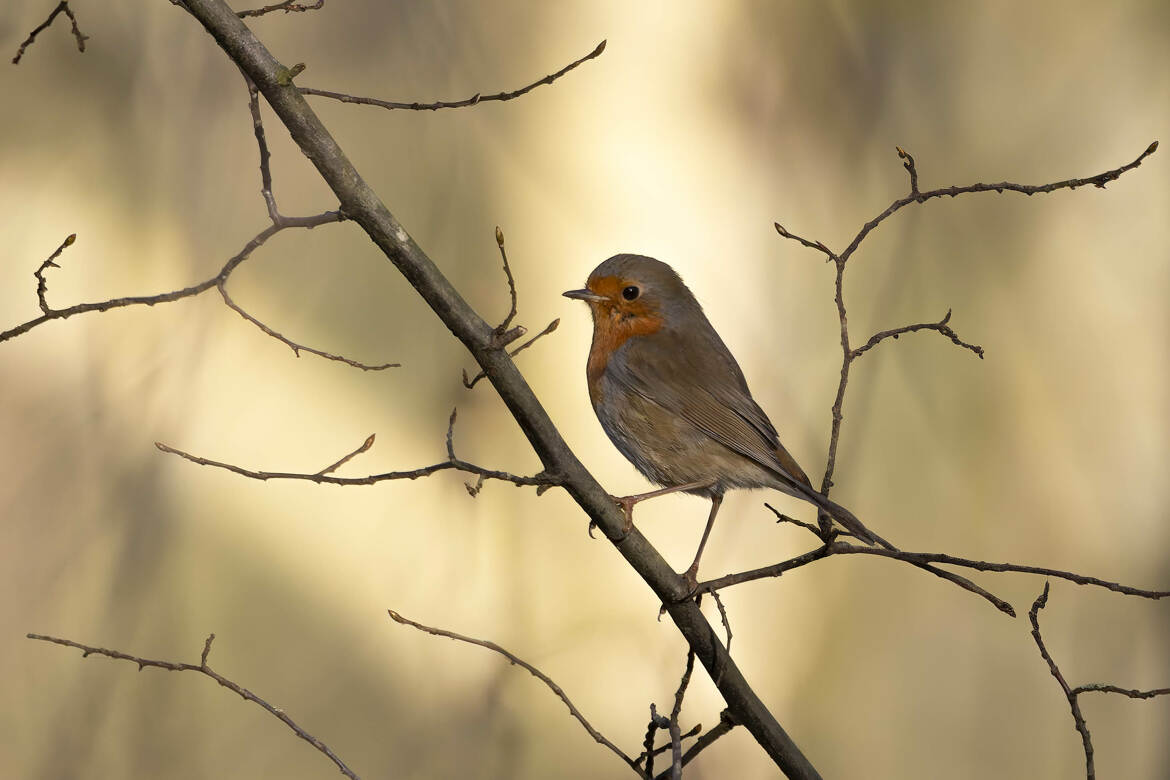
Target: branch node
[
  {"x": 78, "y": 35},
  {"x": 39, "y": 274}
]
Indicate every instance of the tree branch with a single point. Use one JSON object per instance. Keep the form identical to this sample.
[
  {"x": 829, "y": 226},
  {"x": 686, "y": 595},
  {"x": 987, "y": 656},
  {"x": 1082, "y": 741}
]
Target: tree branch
[
  {"x": 940, "y": 326},
  {"x": 361, "y": 204},
  {"x": 544, "y": 678},
  {"x": 324, "y": 477},
  {"x": 203, "y": 668},
  {"x": 287, "y": 6},
  {"x": 475, "y": 99},
  {"x": 726, "y": 724},
  {"x": 79, "y": 36},
  {"x": 843, "y": 548}
]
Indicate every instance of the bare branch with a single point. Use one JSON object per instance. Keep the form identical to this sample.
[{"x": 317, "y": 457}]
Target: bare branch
[
  {"x": 541, "y": 481},
  {"x": 321, "y": 478},
  {"x": 475, "y": 99},
  {"x": 723, "y": 617},
  {"x": 204, "y": 669},
  {"x": 783, "y": 518},
  {"x": 503, "y": 326},
  {"x": 42, "y": 285},
  {"x": 843, "y": 548},
  {"x": 79, "y": 36},
  {"x": 265, "y": 155},
  {"x": 916, "y": 196},
  {"x": 1099, "y": 180},
  {"x": 675, "y": 731},
  {"x": 187, "y": 292},
  {"x": 817, "y": 245},
  {"x": 297, "y": 348},
  {"x": 287, "y": 6},
  {"x": 908, "y": 164},
  {"x": 501, "y": 334},
  {"x": 1074, "y": 705},
  {"x": 940, "y": 326},
  {"x": 365, "y": 446},
  {"x": 472, "y": 382},
  {"x": 1131, "y": 693},
  {"x": 726, "y": 724},
  {"x": 544, "y": 678},
  {"x": 649, "y": 751}
]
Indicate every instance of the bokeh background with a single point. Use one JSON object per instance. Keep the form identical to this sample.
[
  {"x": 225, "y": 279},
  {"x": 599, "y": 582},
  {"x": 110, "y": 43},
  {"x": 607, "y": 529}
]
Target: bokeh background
[{"x": 700, "y": 125}]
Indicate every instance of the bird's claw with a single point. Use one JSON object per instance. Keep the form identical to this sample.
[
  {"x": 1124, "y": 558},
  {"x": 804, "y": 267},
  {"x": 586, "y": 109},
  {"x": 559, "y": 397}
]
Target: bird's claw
[{"x": 626, "y": 504}]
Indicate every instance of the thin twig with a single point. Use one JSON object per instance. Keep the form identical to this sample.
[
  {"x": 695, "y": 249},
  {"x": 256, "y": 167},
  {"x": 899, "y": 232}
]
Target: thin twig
[
  {"x": 365, "y": 446},
  {"x": 723, "y": 617},
  {"x": 42, "y": 285},
  {"x": 726, "y": 724},
  {"x": 665, "y": 747},
  {"x": 79, "y": 36},
  {"x": 1100, "y": 180},
  {"x": 1072, "y": 694},
  {"x": 287, "y": 6},
  {"x": 817, "y": 245},
  {"x": 940, "y": 326},
  {"x": 204, "y": 669},
  {"x": 475, "y": 99},
  {"x": 908, "y": 164},
  {"x": 544, "y": 678},
  {"x": 917, "y": 196},
  {"x": 187, "y": 292},
  {"x": 296, "y": 347},
  {"x": 649, "y": 751},
  {"x": 676, "y": 711},
  {"x": 783, "y": 518},
  {"x": 542, "y": 479},
  {"x": 265, "y": 155},
  {"x": 473, "y": 381},
  {"x": 1131, "y": 693},
  {"x": 503, "y": 326},
  {"x": 1079, "y": 719},
  {"x": 844, "y": 548}
]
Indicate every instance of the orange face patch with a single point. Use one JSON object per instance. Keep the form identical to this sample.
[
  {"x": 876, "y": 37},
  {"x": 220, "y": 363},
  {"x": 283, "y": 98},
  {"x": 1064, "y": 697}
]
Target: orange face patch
[{"x": 615, "y": 320}]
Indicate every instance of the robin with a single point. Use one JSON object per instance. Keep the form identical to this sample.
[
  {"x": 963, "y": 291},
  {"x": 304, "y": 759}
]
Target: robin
[{"x": 673, "y": 400}]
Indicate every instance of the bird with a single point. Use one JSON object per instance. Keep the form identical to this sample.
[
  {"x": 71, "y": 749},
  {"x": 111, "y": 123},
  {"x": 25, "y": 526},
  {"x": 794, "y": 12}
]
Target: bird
[{"x": 673, "y": 400}]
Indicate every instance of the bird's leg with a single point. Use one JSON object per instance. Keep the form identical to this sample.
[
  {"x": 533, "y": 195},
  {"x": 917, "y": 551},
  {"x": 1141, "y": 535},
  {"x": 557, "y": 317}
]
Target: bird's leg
[
  {"x": 692, "y": 573},
  {"x": 627, "y": 502}
]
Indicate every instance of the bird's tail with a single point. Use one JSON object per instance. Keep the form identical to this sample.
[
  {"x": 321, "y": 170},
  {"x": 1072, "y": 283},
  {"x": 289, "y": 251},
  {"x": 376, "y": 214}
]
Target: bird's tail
[{"x": 847, "y": 519}]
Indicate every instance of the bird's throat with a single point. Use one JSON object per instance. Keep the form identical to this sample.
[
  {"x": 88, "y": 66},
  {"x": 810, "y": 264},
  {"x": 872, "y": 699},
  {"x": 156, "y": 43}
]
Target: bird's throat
[{"x": 611, "y": 329}]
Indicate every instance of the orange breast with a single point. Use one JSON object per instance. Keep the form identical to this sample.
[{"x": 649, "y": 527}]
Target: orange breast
[{"x": 613, "y": 325}]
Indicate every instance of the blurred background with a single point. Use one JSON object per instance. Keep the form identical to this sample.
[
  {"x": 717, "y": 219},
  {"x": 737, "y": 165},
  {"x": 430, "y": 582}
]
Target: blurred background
[{"x": 700, "y": 125}]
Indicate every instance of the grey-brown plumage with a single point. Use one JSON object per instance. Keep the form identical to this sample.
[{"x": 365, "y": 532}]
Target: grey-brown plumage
[{"x": 672, "y": 398}]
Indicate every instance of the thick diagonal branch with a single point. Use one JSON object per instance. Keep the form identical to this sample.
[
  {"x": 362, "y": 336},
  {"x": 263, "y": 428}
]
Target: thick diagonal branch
[{"x": 360, "y": 203}]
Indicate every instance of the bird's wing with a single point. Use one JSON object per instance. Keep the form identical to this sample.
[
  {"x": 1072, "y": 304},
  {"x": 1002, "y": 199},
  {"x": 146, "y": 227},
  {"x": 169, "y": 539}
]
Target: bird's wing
[{"x": 700, "y": 381}]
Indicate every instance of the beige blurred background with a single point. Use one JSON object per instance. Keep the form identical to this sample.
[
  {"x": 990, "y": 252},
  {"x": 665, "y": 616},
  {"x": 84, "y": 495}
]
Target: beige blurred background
[{"x": 700, "y": 125}]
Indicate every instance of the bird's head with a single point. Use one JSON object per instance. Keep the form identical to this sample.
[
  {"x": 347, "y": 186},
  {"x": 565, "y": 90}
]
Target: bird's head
[{"x": 633, "y": 295}]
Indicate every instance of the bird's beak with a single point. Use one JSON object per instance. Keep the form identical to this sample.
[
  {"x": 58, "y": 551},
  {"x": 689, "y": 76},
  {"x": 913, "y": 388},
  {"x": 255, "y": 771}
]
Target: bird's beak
[{"x": 584, "y": 295}]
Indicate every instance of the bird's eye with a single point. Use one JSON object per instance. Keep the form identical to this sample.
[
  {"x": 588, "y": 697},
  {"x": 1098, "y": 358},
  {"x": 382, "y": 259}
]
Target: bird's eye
[{"x": 630, "y": 293}]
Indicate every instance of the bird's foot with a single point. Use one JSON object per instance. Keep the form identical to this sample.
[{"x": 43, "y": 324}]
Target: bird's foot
[{"x": 626, "y": 504}]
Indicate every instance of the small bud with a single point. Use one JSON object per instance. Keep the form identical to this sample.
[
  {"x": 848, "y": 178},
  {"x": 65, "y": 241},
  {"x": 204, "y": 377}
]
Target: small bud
[
  {"x": 73, "y": 236},
  {"x": 499, "y": 237}
]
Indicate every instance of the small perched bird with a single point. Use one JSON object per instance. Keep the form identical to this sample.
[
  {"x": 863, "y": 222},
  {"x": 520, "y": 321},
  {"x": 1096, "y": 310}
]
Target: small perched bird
[{"x": 674, "y": 401}]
